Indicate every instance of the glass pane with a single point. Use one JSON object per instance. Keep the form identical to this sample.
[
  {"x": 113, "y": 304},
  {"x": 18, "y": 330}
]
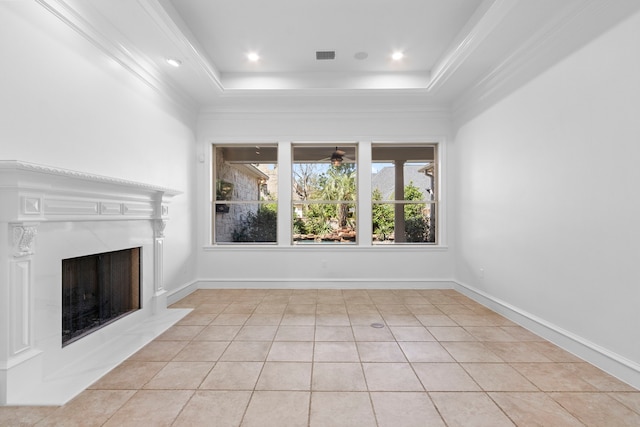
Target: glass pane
[
  {"x": 324, "y": 191},
  {"x": 414, "y": 182},
  {"x": 245, "y": 222},
  {"x": 245, "y": 173},
  {"x": 417, "y": 185},
  {"x": 418, "y": 221},
  {"x": 322, "y": 223},
  {"x": 245, "y": 193}
]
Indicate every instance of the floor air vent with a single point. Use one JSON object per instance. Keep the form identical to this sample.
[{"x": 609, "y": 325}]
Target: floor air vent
[{"x": 325, "y": 54}]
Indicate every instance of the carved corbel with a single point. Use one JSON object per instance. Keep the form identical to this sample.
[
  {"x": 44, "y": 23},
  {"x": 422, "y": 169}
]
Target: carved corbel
[
  {"x": 158, "y": 227},
  {"x": 23, "y": 239}
]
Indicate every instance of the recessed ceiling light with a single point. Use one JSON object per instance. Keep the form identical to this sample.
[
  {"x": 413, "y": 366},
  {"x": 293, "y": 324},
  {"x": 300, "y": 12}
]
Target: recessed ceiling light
[
  {"x": 361, "y": 55},
  {"x": 253, "y": 57},
  {"x": 174, "y": 62},
  {"x": 397, "y": 56}
]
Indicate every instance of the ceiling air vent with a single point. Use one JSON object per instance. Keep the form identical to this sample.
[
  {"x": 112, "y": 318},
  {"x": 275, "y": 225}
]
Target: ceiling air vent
[{"x": 325, "y": 54}]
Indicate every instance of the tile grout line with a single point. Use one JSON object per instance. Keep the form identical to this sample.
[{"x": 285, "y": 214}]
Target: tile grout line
[
  {"x": 599, "y": 388},
  {"x": 313, "y": 362},
  {"x": 215, "y": 363},
  {"x": 411, "y": 364},
  {"x": 366, "y": 381},
  {"x": 246, "y": 409}
]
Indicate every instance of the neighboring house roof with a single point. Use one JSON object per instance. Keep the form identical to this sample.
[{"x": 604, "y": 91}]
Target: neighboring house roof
[
  {"x": 251, "y": 170},
  {"x": 384, "y": 180}
]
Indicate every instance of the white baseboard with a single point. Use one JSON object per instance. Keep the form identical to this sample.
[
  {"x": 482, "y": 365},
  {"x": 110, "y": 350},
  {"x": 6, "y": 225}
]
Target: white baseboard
[
  {"x": 322, "y": 284},
  {"x": 620, "y": 367},
  {"x": 176, "y": 295}
]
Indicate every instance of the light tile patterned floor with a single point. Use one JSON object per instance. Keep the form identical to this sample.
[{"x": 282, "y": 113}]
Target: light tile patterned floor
[{"x": 311, "y": 358}]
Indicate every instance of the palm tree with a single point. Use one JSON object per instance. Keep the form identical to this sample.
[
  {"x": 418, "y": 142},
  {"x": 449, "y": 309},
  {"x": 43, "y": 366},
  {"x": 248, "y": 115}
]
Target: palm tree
[{"x": 339, "y": 183}]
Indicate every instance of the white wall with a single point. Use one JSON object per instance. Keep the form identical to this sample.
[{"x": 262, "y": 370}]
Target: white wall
[
  {"x": 64, "y": 103},
  {"x": 546, "y": 198},
  {"x": 317, "y": 266}
]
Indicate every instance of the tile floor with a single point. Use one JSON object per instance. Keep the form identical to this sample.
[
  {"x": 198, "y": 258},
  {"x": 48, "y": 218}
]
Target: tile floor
[{"x": 311, "y": 358}]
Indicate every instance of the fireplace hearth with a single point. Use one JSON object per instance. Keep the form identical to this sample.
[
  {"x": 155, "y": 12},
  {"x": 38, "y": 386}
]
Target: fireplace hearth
[{"x": 98, "y": 289}]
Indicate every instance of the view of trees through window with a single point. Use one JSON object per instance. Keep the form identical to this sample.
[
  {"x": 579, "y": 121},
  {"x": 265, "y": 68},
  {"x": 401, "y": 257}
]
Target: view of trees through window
[
  {"x": 324, "y": 194},
  {"x": 403, "y": 194}
]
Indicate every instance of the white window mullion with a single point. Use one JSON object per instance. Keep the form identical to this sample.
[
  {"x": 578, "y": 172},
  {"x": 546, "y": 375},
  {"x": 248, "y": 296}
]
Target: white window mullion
[
  {"x": 364, "y": 193},
  {"x": 284, "y": 194}
]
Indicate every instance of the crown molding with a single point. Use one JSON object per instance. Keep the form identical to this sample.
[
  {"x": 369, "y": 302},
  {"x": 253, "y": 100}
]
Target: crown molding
[
  {"x": 484, "y": 21},
  {"x": 570, "y": 29},
  {"x": 94, "y": 28},
  {"x": 171, "y": 24},
  {"x": 295, "y": 111},
  {"x": 85, "y": 19}
]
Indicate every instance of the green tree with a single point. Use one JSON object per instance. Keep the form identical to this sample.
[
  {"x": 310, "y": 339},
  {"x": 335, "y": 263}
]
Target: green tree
[
  {"x": 415, "y": 224},
  {"x": 411, "y": 192},
  {"x": 339, "y": 183},
  {"x": 318, "y": 218},
  {"x": 259, "y": 226},
  {"x": 381, "y": 215}
]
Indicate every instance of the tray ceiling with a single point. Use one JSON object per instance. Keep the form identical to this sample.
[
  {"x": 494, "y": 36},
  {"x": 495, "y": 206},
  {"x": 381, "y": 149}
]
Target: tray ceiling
[{"x": 453, "y": 49}]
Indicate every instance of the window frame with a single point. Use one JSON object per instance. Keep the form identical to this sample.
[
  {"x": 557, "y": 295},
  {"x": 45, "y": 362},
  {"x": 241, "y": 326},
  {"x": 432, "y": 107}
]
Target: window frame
[
  {"x": 216, "y": 202},
  {"x": 432, "y": 200},
  {"x": 351, "y": 148},
  {"x": 363, "y": 202}
]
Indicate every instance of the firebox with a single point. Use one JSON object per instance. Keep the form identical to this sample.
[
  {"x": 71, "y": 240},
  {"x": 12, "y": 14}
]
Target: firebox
[{"x": 97, "y": 290}]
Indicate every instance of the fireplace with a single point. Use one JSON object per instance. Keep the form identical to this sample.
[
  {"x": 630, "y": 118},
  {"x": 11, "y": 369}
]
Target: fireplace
[
  {"x": 98, "y": 289},
  {"x": 81, "y": 262}
]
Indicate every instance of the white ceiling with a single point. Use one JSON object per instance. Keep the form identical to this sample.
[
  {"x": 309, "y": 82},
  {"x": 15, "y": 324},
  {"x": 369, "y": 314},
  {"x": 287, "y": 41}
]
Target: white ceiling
[
  {"x": 287, "y": 33},
  {"x": 454, "y": 49}
]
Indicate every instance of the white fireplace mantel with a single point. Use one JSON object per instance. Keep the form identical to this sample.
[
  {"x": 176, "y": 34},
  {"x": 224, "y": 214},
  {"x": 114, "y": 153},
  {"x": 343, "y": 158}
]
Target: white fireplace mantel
[
  {"x": 34, "y": 192},
  {"x": 48, "y": 214}
]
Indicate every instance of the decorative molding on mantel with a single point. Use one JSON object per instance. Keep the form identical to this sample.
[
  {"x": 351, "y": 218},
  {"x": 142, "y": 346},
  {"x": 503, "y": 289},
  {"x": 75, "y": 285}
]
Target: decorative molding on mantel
[
  {"x": 23, "y": 237},
  {"x": 158, "y": 228},
  {"x": 20, "y": 165},
  {"x": 38, "y": 193}
]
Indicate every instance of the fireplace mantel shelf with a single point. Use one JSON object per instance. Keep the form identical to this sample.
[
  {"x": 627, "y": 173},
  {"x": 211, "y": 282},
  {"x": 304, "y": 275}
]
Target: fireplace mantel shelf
[{"x": 35, "y": 193}]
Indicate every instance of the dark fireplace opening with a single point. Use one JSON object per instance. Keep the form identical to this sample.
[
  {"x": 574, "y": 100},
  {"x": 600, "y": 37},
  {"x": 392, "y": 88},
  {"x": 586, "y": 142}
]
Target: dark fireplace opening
[{"x": 98, "y": 289}]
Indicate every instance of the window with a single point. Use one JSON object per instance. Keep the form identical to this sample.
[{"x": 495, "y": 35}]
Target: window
[
  {"x": 245, "y": 194},
  {"x": 324, "y": 193},
  {"x": 323, "y": 198},
  {"x": 403, "y": 193}
]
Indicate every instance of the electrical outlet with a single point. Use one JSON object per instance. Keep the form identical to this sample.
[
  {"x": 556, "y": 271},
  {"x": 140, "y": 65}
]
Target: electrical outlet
[{"x": 482, "y": 273}]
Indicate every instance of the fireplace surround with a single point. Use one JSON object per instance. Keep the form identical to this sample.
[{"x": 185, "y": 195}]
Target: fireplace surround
[{"x": 48, "y": 215}]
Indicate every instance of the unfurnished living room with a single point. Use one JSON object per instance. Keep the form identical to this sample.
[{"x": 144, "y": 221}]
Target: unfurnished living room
[{"x": 319, "y": 213}]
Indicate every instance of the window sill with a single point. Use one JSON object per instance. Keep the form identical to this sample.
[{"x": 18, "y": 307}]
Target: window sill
[{"x": 327, "y": 247}]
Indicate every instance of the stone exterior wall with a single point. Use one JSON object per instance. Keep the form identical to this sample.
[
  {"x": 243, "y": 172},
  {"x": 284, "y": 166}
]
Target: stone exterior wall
[{"x": 245, "y": 187}]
